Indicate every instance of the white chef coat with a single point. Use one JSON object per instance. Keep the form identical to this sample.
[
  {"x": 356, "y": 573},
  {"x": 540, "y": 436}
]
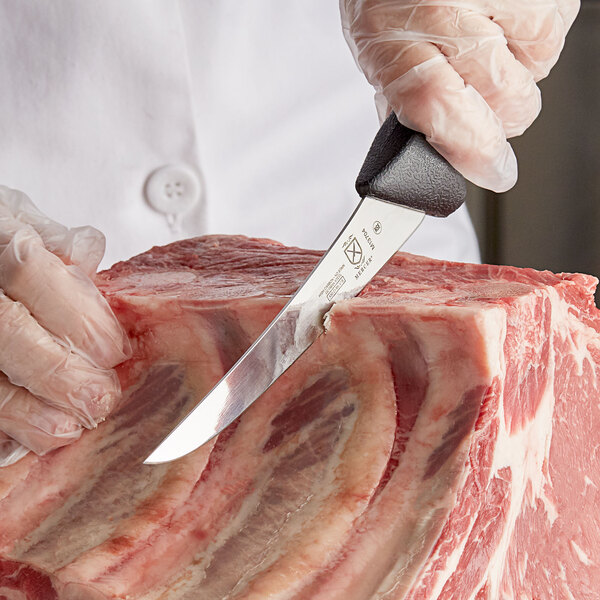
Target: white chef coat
[{"x": 155, "y": 120}]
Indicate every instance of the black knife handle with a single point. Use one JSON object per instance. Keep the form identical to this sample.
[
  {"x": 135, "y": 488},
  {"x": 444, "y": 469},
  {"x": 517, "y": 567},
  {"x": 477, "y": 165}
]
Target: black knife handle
[{"x": 401, "y": 167}]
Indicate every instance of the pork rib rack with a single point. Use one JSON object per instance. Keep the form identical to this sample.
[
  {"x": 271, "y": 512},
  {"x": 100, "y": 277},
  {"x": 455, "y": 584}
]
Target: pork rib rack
[{"x": 440, "y": 441}]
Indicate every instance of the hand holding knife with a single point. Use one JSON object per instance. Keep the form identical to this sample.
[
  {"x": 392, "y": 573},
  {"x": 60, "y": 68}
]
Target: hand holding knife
[{"x": 402, "y": 179}]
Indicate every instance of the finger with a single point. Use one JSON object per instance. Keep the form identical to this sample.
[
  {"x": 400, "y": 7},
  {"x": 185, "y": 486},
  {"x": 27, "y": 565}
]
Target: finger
[
  {"x": 62, "y": 299},
  {"x": 82, "y": 246},
  {"x": 535, "y": 31},
  {"x": 33, "y": 423},
  {"x": 10, "y": 450},
  {"x": 569, "y": 10},
  {"x": 33, "y": 359},
  {"x": 477, "y": 50}
]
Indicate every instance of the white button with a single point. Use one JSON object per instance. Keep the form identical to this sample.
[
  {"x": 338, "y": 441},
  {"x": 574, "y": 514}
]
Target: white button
[{"x": 173, "y": 189}]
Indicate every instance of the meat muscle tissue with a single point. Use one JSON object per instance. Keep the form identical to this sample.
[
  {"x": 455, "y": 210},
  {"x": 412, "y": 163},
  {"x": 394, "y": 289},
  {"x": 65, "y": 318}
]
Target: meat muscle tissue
[{"x": 439, "y": 441}]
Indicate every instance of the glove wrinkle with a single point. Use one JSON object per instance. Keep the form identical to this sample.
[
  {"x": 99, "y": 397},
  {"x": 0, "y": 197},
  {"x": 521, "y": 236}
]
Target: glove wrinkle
[{"x": 10, "y": 450}]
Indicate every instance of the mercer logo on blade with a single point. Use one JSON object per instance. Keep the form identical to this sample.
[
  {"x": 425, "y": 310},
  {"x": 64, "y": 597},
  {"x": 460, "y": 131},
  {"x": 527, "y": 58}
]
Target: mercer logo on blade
[
  {"x": 353, "y": 251},
  {"x": 356, "y": 255}
]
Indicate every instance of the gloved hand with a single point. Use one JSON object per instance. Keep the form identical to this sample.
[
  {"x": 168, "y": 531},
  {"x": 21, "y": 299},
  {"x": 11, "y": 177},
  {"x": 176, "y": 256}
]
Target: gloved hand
[
  {"x": 462, "y": 72},
  {"x": 58, "y": 336}
]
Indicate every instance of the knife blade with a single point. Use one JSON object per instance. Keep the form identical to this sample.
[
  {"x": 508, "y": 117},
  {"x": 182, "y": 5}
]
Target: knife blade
[{"x": 402, "y": 179}]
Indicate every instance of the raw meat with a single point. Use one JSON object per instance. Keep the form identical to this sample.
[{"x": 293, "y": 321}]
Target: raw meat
[{"x": 440, "y": 441}]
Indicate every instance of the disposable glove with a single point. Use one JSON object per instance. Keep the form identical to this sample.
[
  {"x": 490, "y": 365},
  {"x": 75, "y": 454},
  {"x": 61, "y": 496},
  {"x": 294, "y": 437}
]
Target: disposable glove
[
  {"x": 59, "y": 339},
  {"x": 462, "y": 72}
]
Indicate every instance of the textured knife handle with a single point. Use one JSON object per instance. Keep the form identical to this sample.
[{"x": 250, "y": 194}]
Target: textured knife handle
[{"x": 401, "y": 167}]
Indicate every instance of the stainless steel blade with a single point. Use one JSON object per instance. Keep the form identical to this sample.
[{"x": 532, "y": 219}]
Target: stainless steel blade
[{"x": 372, "y": 235}]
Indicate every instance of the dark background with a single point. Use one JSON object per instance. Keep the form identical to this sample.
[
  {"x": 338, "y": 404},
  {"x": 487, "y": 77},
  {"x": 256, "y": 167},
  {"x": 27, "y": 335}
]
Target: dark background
[{"x": 551, "y": 218}]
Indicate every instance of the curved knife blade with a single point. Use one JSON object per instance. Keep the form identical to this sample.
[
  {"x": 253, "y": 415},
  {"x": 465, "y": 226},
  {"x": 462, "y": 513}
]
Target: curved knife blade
[{"x": 373, "y": 234}]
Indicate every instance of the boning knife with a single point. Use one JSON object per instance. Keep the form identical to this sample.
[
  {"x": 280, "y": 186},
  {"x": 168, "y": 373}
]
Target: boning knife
[{"x": 402, "y": 179}]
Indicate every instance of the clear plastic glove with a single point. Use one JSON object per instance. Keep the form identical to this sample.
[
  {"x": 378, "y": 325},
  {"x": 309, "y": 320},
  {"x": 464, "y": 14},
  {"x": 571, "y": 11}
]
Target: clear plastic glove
[
  {"x": 59, "y": 339},
  {"x": 462, "y": 72}
]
